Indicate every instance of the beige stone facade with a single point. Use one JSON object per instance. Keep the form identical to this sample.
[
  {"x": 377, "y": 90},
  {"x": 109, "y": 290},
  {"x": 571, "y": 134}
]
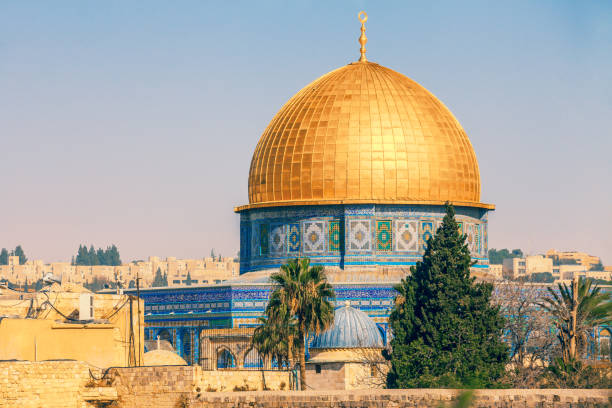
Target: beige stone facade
[
  {"x": 582, "y": 258},
  {"x": 519, "y": 267},
  {"x": 69, "y": 384},
  {"x": 201, "y": 271},
  {"x": 514, "y": 268},
  {"x": 68, "y": 322}
]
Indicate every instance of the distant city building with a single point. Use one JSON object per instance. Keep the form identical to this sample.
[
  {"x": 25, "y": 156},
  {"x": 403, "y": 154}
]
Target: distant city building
[
  {"x": 496, "y": 271},
  {"x": 178, "y": 271},
  {"x": 514, "y": 268},
  {"x": 581, "y": 258}
]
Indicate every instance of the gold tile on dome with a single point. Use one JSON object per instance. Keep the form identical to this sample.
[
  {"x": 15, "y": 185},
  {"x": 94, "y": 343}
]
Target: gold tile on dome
[{"x": 364, "y": 133}]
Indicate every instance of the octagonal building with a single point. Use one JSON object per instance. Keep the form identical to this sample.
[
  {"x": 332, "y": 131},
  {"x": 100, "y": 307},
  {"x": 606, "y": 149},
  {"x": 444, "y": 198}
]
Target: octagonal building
[{"x": 353, "y": 172}]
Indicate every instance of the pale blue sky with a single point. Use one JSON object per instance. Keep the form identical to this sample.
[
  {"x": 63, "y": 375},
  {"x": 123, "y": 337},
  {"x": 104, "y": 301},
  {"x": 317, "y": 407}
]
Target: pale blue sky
[{"x": 134, "y": 122}]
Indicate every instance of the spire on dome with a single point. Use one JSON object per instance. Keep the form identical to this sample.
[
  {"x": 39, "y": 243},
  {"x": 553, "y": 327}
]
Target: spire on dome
[{"x": 363, "y": 17}]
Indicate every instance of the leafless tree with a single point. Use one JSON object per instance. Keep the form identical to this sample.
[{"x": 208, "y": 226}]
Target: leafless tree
[{"x": 528, "y": 331}]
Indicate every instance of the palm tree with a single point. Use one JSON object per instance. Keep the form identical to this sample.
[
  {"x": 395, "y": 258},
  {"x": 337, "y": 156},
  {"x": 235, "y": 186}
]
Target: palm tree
[
  {"x": 303, "y": 294},
  {"x": 576, "y": 310},
  {"x": 275, "y": 337}
]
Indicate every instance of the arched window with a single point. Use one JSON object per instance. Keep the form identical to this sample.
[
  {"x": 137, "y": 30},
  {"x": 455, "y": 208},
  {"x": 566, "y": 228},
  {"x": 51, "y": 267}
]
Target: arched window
[
  {"x": 225, "y": 359},
  {"x": 252, "y": 359}
]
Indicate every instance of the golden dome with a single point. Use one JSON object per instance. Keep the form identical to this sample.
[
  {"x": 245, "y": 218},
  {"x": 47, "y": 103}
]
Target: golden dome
[{"x": 364, "y": 133}]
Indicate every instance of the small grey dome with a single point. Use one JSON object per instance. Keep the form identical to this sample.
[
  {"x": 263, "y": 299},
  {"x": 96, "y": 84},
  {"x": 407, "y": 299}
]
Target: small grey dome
[{"x": 352, "y": 328}]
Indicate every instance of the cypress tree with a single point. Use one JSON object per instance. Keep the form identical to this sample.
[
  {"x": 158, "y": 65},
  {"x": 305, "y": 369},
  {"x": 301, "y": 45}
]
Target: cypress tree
[
  {"x": 113, "y": 257},
  {"x": 101, "y": 257},
  {"x": 92, "y": 256},
  {"x": 158, "y": 281},
  {"x": 19, "y": 252},
  {"x": 446, "y": 332},
  {"x": 4, "y": 257}
]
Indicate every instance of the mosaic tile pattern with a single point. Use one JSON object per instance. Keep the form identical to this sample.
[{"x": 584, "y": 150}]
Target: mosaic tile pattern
[
  {"x": 278, "y": 239},
  {"x": 471, "y": 238},
  {"x": 406, "y": 235},
  {"x": 264, "y": 239},
  {"x": 427, "y": 231},
  {"x": 335, "y": 237},
  {"x": 384, "y": 235},
  {"x": 314, "y": 236},
  {"x": 351, "y": 235},
  {"x": 360, "y": 238},
  {"x": 293, "y": 238},
  {"x": 254, "y": 240}
]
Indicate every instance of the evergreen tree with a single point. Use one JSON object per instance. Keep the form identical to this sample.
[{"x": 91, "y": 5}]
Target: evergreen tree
[
  {"x": 81, "y": 258},
  {"x": 4, "y": 257},
  {"x": 158, "y": 281},
  {"x": 165, "y": 281},
  {"x": 101, "y": 257},
  {"x": 212, "y": 253},
  {"x": 188, "y": 280},
  {"x": 19, "y": 252},
  {"x": 446, "y": 333},
  {"x": 92, "y": 256},
  {"x": 113, "y": 256},
  {"x": 89, "y": 257}
]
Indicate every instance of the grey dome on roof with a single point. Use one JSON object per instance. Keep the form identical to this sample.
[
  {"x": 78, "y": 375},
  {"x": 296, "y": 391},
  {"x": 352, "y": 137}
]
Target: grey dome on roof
[{"x": 352, "y": 328}]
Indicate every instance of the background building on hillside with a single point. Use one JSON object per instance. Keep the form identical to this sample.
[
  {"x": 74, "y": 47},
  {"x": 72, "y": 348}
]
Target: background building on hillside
[
  {"x": 581, "y": 258},
  {"x": 496, "y": 271},
  {"x": 177, "y": 271},
  {"x": 514, "y": 268}
]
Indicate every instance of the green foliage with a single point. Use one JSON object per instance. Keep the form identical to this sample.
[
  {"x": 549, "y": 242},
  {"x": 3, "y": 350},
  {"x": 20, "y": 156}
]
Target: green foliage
[
  {"x": 99, "y": 283},
  {"x": 91, "y": 256},
  {"x": 188, "y": 281},
  {"x": 272, "y": 337},
  {"x": 542, "y": 277},
  {"x": 446, "y": 333},
  {"x": 18, "y": 251},
  {"x": 575, "y": 374},
  {"x": 303, "y": 294},
  {"x": 496, "y": 257},
  {"x": 160, "y": 280},
  {"x": 597, "y": 267},
  {"x": 592, "y": 308}
]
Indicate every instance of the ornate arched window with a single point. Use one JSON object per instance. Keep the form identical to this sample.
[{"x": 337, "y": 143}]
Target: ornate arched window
[{"x": 225, "y": 359}]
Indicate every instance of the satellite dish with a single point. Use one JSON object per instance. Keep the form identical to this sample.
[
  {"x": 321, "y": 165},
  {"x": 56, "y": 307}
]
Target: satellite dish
[{"x": 49, "y": 279}]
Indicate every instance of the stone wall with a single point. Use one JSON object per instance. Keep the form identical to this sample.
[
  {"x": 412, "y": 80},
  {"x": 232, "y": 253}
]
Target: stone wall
[
  {"x": 392, "y": 399},
  {"x": 50, "y": 384},
  {"x": 163, "y": 386},
  {"x": 68, "y": 384}
]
